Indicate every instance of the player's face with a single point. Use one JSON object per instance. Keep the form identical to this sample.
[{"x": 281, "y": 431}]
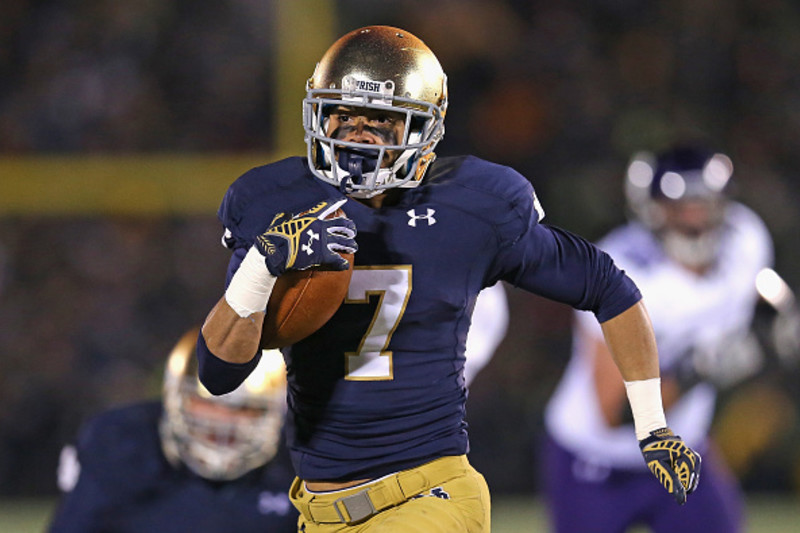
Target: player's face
[
  {"x": 690, "y": 233},
  {"x": 692, "y": 218},
  {"x": 367, "y": 126}
]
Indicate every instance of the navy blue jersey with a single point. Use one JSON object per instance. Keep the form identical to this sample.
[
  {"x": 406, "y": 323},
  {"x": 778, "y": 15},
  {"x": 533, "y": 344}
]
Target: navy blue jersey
[
  {"x": 380, "y": 387},
  {"x": 125, "y": 484}
]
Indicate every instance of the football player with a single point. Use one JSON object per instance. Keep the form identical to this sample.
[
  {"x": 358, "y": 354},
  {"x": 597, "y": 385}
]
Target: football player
[
  {"x": 191, "y": 462},
  {"x": 695, "y": 254},
  {"x": 376, "y": 429}
]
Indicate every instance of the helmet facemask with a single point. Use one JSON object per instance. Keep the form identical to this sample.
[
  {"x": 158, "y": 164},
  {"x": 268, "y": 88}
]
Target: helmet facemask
[
  {"x": 223, "y": 440},
  {"x": 402, "y": 160}
]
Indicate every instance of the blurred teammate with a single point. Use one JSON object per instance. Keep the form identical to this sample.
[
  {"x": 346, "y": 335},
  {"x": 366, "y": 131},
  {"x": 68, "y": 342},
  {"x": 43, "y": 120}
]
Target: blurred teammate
[
  {"x": 377, "y": 396},
  {"x": 190, "y": 463},
  {"x": 488, "y": 328},
  {"x": 695, "y": 254}
]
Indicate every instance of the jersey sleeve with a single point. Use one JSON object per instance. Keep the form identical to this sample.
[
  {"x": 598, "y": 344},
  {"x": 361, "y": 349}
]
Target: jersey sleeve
[
  {"x": 561, "y": 266},
  {"x": 220, "y": 376},
  {"x": 537, "y": 257},
  {"x": 235, "y": 206}
]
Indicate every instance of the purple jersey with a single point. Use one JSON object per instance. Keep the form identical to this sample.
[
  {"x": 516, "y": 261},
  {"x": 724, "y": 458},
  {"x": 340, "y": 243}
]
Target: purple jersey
[
  {"x": 125, "y": 484},
  {"x": 380, "y": 387}
]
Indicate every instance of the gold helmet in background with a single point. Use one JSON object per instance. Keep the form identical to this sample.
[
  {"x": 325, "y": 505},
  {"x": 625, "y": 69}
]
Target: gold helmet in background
[
  {"x": 221, "y": 437},
  {"x": 380, "y": 68}
]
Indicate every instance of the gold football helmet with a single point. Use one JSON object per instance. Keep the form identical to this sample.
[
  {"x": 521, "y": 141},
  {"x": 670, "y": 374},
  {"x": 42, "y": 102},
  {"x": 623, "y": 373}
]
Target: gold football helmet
[
  {"x": 380, "y": 68},
  {"x": 221, "y": 437}
]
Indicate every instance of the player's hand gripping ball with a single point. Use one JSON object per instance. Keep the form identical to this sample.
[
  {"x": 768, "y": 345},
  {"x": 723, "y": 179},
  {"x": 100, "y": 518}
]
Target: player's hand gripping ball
[
  {"x": 313, "y": 238},
  {"x": 312, "y": 255},
  {"x": 675, "y": 465}
]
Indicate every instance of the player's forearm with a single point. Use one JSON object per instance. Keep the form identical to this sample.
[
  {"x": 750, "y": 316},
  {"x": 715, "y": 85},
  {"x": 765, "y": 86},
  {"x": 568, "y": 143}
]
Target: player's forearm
[
  {"x": 632, "y": 343},
  {"x": 608, "y": 385},
  {"x": 232, "y": 330},
  {"x": 230, "y": 337},
  {"x": 630, "y": 339}
]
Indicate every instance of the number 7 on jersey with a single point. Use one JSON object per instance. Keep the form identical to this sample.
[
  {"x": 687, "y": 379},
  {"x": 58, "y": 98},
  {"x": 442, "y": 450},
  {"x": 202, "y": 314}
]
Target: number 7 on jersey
[{"x": 392, "y": 285}]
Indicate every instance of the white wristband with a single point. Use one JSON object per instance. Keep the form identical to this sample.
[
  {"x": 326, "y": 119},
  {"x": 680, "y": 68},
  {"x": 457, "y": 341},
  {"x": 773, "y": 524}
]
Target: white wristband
[
  {"x": 648, "y": 411},
  {"x": 251, "y": 285}
]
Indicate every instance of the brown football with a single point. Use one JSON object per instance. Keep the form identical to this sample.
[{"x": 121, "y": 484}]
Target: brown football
[{"x": 302, "y": 301}]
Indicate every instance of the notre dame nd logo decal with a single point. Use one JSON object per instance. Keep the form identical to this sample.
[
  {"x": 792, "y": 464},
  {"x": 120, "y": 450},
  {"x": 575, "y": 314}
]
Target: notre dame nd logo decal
[{"x": 435, "y": 492}]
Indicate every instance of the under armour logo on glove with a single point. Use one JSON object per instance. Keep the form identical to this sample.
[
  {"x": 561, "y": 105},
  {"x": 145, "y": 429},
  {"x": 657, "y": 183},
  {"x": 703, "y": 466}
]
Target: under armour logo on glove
[
  {"x": 675, "y": 465},
  {"x": 326, "y": 238},
  {"x": 312, "y": 236}
]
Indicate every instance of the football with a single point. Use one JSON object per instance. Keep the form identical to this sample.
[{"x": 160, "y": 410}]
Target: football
[{"x": 302, "y": 301}]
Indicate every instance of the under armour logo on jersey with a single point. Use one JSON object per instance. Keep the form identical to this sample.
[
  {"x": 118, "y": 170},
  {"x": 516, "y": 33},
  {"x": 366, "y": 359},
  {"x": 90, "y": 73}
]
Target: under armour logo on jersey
[
  {"x": 312, "y": 236},
  {"x": 413, "y": 217}
]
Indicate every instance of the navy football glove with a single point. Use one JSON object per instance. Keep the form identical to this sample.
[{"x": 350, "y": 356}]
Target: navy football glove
[
  {"x": 308, "y": 239},
  {"x": 675, "y": 465}
]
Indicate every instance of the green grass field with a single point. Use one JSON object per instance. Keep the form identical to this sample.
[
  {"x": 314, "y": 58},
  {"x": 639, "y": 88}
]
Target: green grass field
[
  {"x": 509, "y": 515},
  {"x": 779, "y": 514}
]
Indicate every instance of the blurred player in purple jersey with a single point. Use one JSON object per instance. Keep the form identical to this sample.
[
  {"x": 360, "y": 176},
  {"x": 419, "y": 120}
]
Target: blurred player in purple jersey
[
  {"x": 190, "y": 462},
  {"x": 696, "y": 256},
  {"x": 376, "y": 424}
]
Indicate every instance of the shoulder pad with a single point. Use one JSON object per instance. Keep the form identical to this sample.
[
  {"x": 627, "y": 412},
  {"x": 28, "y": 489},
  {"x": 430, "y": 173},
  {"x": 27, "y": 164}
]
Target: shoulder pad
[
  {"x": 497, "y": 194},
  {"x": 122, "y": 446},
  {"x": 250, "y": 186},
  {"x": 252, "y": 201}
]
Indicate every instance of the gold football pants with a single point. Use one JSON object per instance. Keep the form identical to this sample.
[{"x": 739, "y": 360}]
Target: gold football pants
[{"x": 444, "y": 496}]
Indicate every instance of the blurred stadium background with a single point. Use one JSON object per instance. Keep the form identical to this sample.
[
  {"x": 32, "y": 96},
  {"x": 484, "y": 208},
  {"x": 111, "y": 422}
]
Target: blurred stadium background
[{"x": 123, "y": 121}]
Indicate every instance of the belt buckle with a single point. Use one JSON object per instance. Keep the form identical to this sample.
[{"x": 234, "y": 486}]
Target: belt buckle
[{"x": 358, "y": 506}]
